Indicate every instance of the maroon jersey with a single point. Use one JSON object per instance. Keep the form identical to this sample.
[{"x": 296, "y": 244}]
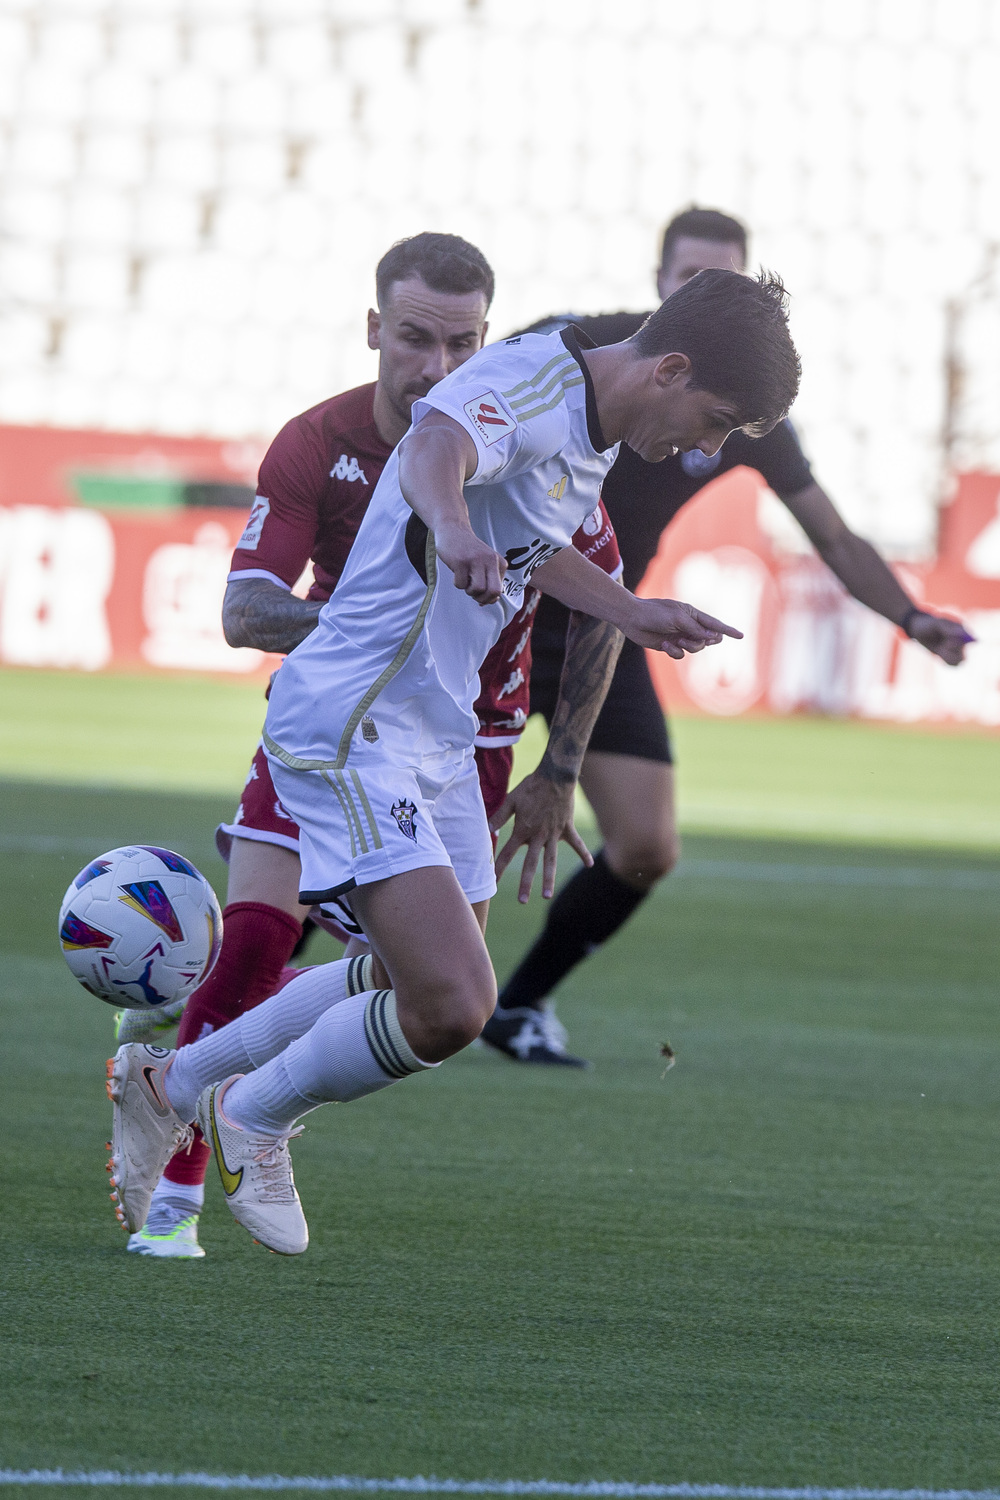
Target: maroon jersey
[
  {"x": 505, "y": 676},
  {"x": 312, "y": 493}
]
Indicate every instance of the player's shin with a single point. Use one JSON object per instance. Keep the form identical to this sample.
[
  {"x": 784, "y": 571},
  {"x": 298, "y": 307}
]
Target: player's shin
[
  {"x": 354, "y": 1049},
  {"x": 265, "y": 1032}
]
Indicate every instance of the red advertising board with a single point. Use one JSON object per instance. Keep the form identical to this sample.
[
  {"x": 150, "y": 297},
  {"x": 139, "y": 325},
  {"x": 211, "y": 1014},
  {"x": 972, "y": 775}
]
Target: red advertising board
[
  {"x": 106, "y": 563},
  {"x": 807, "y": 644},
  {"x": 114, "y": 551}
]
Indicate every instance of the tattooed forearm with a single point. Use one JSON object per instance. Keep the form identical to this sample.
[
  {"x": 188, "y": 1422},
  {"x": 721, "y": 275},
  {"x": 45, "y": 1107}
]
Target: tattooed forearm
[
  {"x": 592, "y": 651},
  {"x": 260, "y": 614}
]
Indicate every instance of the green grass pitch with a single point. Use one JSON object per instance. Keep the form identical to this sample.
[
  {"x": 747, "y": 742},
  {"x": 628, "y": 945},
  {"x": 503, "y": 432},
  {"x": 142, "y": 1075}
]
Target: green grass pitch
[{"x": 775, "y": 1265}]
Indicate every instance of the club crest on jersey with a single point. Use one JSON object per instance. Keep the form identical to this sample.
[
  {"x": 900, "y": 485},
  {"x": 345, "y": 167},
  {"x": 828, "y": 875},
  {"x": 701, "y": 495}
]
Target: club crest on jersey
[
  {"x": 487, "y": 415},
  {"x": 405, "y": 814},
  {"x": 349, "y": 469}
]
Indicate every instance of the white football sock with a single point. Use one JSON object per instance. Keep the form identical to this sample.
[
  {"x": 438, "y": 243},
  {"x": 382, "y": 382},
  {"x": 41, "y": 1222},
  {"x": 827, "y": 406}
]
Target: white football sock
[
  {"x": 189, "y": 1195},
  {"x": 354, "y": 1049},
  {"x": 263, "y": 1033}
]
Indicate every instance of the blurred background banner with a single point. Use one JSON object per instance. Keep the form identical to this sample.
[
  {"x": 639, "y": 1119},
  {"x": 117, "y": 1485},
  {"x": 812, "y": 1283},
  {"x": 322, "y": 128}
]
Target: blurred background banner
[
  {"x": 808, "y": 646},
  {"x": 193, "y": 199}
]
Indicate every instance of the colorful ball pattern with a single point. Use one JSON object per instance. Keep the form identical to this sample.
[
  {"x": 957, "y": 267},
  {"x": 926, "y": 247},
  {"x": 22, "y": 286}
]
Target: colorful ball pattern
[{"x": 140, "y": 927}]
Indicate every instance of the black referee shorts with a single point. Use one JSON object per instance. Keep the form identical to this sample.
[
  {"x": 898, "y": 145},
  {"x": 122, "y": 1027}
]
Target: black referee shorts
[{"x": 631, "y": 721}]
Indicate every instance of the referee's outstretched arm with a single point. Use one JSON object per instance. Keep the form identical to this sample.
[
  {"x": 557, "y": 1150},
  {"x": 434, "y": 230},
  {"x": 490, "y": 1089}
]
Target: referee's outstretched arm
[{"x": 866, "y": 575}]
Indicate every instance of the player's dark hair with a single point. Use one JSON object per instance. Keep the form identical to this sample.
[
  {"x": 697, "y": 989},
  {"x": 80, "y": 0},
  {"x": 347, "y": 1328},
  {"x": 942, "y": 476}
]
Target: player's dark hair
[
  {"x": 703, "y": 224},
  {"x": 734, "y": 330},
  {"x": 445, "y": 262}
]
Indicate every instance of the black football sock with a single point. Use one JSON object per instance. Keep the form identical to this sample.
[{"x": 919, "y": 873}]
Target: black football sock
[{"x": 586, "y": 912}]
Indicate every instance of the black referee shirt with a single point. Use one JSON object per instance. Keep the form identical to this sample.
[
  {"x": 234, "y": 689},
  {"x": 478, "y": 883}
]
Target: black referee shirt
[{"x": 643, "y": 498}]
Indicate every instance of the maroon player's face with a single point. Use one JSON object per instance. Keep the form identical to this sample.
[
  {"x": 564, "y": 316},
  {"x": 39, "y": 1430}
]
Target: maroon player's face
[
  {"x": 689, "y": 256},
  {"x": 671, "y": 414},
  {"x": 421, "y": 336}
]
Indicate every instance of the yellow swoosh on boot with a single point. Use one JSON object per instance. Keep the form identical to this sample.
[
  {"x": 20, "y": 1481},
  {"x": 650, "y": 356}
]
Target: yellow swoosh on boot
[{"x": 230, "y": 1180}]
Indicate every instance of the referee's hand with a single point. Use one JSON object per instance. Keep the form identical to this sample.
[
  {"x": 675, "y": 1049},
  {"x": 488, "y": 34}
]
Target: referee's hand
[
  {"x": 667, "y": 625},
  {"x": 941, "y": 636},
  {"x": 477, "y": 568}
]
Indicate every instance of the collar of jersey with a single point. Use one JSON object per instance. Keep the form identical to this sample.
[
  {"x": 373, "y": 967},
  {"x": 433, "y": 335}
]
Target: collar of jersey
[{"x": 576, "y": 340}]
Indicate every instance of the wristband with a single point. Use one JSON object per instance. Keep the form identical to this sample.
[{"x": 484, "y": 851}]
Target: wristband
[{"x": 908, "y": 619}]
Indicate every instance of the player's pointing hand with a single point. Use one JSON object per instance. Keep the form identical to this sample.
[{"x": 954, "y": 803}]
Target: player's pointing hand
[
  {"x": 667, "y": 625},
  {"x": 477, "y": 568}
]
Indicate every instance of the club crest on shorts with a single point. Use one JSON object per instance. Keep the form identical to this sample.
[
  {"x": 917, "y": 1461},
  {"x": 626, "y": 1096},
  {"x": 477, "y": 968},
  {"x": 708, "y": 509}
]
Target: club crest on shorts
[{"x": 405, "y": 814}]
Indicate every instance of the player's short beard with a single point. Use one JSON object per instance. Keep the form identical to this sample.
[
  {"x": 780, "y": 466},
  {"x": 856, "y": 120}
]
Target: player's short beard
[{"x": 404, "y": 409}]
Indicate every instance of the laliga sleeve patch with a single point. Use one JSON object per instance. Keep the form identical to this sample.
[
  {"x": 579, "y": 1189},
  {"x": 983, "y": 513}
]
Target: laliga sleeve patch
[
  {"x": 255, "y": 525},
  {"x": 487, "y": 415}
]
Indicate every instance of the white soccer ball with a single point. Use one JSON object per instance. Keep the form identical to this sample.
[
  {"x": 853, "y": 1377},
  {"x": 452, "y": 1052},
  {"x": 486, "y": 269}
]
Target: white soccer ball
[{"x": 140, "y": 927}]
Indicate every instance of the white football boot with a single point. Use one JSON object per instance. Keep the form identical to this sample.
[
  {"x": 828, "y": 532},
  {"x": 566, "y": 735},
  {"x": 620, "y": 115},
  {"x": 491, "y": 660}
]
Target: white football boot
[
  {"x": 168, "y": 1241},
  {"x": 148, "y": 1025},
  {"x": 256, "y": 1172},
  {"x": 145, "y": 1132}
]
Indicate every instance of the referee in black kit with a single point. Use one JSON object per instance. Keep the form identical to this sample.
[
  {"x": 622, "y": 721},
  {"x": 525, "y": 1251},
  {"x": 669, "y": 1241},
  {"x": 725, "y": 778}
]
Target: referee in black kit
[{"x": 627, "y": 771}]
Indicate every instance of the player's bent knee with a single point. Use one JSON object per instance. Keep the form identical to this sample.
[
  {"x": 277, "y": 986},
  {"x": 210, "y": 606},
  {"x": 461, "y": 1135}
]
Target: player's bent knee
[
  {"x": 644, "y": 861},
  {"x": 438, "y": 1026}
]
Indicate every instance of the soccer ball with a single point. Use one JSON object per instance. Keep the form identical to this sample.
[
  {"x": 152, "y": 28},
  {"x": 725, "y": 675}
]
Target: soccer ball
[{"x": 140, "y": 927}]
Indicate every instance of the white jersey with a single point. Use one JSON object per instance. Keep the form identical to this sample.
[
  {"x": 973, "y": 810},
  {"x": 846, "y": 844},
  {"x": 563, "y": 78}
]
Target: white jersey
[{"x": 391, "y": 670}]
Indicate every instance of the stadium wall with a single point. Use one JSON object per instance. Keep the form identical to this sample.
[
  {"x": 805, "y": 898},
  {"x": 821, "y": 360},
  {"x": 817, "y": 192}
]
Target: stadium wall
[{"x": 115, "y": 547}]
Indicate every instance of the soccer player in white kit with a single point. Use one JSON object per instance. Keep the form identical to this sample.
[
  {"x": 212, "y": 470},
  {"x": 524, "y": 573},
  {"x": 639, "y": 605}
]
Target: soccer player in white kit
[{"x": 370, "y": 726}]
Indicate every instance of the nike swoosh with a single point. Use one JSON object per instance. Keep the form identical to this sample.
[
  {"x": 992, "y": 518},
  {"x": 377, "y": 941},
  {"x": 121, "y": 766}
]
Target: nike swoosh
[
  {"x": 148, "y": 1074},
  {"x": 230, "y": 1180}
]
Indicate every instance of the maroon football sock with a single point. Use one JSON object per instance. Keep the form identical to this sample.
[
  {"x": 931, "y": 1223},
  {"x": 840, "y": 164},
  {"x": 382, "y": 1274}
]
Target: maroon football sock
[
  {"x": 190, "y": 1165},
  {"x": 257, "y": 942}
]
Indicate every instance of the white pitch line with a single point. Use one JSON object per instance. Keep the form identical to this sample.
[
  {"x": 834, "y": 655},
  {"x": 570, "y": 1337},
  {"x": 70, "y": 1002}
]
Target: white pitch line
[
  {"x": 904, "y": 877},
  {"x": 755, "y": 871},
  {"x": 595, "y": 1489},
  {"x": 57, "y": 843}
]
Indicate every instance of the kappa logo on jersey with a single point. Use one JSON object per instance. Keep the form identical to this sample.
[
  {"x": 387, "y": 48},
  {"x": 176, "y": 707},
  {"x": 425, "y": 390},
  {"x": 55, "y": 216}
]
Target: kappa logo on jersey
[
  {"x": 348, "y": 468},
  {"x": 405, "y": 814},
  {"x": 513, "y": 682},
  {"x": 525, "y": 638},
  {"x": 255, "y": 525},
  {"x": 517, "y": 720},
  {"x": 488, "y": 417}
]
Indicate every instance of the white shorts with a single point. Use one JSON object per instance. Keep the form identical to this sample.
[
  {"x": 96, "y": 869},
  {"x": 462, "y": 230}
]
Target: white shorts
[{"x": 358, "y": 827}]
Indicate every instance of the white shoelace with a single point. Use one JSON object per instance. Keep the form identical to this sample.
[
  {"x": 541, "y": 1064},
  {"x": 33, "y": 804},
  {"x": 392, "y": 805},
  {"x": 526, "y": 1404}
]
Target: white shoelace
[{"x": 274, "y": 1161}]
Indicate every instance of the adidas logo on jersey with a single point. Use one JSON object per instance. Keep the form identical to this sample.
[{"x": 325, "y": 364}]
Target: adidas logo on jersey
[
  {"x": 558, "y": 489},
  {"x": 348, "y": 468}
]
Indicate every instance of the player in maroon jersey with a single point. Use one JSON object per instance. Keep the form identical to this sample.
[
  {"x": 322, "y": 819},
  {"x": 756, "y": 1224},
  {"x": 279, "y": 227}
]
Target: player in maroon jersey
[{"x": 314, "y": 487}]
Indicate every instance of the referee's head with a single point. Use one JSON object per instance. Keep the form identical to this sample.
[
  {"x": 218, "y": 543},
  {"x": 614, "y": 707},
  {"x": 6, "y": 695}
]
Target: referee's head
[{"x": 699, "y": 239}]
